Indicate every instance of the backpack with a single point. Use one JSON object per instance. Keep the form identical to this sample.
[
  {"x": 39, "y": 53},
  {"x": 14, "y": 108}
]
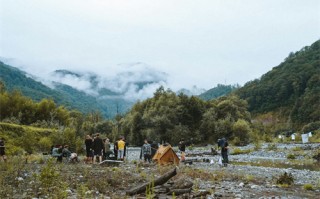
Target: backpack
[{"x": 146, "y": 149}]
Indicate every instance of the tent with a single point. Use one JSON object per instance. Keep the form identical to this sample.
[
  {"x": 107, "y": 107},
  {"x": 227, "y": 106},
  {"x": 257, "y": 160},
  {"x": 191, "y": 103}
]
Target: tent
[{"x": 166, "y": 155}]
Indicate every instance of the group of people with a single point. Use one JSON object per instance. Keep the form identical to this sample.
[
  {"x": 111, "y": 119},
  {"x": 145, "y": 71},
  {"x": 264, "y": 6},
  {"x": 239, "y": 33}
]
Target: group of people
[
  {"x": 63, "y": 151},
  {"x": 98, "y": 149}
]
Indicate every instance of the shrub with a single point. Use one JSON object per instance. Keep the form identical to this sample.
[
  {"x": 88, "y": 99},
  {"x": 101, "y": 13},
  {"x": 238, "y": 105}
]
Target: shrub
[
  {"x": 272, "y": 147},
  {"x": 291, "y": 156},
  {"x": 311, "y": 127},
  {"x": 308, "y": 187},
  {"x": 237, "y": 151},
  {"x": 285, "y": 179}
]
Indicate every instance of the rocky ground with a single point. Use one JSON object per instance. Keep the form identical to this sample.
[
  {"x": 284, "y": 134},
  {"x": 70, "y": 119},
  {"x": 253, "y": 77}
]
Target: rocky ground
[
  {"x": 252, "y": 174},
  {"x": 259, "y": 181}
]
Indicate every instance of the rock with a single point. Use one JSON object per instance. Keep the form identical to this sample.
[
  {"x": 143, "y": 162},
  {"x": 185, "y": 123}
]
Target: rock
[
  {"x": 254, "y": 186},
  {"x": 241, "y": 184},
  {"x": 88, "y": 192},
  {"x": 19, "y": 179},
  {"x": 218, "y": 195}
]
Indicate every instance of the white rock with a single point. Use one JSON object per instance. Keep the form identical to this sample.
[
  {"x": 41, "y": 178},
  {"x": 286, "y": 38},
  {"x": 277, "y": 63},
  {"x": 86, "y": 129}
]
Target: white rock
[
  {"x": 88, "y": 192},
  {"x": 254, "y": 186},
  {"x": 19, "y": 179}
]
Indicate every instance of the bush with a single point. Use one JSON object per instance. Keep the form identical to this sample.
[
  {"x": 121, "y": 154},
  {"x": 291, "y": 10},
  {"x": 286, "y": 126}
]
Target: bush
[
  {"x": 291, "y": 156},
  {"x": 308, "y": 187},
  {"x": 272, "y": 147},
  {"x": 285, "y": 179},
  {"x": 238, "y": 151},
  {"x": 311, "y": 127}
]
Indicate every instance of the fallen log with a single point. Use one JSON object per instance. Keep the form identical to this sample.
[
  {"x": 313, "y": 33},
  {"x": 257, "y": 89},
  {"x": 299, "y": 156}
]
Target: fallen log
[
  {"x": 159, "y": 181},
  {"x": 177, "y": 192},
  {"x": 182, "y": 184},
  {"x": 200, "y": 194}
]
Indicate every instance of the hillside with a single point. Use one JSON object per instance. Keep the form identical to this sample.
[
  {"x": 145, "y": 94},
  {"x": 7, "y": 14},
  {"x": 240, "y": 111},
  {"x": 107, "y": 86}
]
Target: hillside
[
  {"x": 218, "y": 91},
  {"x": 62, "y": 94},
  {"x": 291, "y": 89}
]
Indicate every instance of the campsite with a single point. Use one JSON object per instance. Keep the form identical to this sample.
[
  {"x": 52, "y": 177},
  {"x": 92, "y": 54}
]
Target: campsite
[
  {"x": 182, "y": 99},
  {"x": 251, "y": 173}
]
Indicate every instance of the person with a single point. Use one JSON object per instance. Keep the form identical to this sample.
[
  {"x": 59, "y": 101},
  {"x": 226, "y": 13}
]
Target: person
[
  {"x": 220, "y": 143},
  {"x": 68, "y": 154},
  {"x": 89, "y": 153},
  {"x": 224, "y": 151},
  {"x": 125, "y": 151},
  {"x": 154, "y": 148},
  {"x": 182, "y": 148},
  {"x": 107, "y": 150},
  {"x": 115, "y": 149},
  {"x": 3, "y": 150},
  {"x": 97, "y": 148},
  {"x": 146, "y": 151},
  {"x": 57, "y": 152},
  {"x": 121, "y": 147}
]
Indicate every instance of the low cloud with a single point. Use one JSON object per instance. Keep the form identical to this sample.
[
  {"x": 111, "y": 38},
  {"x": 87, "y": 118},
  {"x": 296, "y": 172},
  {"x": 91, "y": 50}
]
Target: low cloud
[{"x": 131, "y": 82}]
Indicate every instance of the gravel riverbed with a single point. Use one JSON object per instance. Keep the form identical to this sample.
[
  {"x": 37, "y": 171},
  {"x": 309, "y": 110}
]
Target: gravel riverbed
[{"x": 241, "y": 188}]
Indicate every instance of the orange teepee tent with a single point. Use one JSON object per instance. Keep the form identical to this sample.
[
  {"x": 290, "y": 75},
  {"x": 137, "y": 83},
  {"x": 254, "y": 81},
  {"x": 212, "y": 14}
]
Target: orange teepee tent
[{"x": 166, "y": 155}]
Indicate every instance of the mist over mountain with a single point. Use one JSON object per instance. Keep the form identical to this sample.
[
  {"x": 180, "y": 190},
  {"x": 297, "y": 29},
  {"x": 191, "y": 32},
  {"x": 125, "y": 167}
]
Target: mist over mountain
[
  {"x": 194, "y": 90},
  {"x": 88, "y": 91}
]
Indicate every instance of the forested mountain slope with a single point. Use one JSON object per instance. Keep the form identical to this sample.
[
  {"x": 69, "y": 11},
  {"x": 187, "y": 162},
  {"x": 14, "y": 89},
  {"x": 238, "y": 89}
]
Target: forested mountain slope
[
  {"x": 218, "y": 91},
  {"x": 292, "y": 89},
  {"x": 16, "y": 79}
]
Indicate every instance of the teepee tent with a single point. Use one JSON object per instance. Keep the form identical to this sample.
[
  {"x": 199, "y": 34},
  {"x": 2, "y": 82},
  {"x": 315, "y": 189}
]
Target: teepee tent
[{"x": 166, "y": 155}]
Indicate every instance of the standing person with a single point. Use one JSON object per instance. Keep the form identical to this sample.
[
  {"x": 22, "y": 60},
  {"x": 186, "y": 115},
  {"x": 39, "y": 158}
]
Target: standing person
[
  {"x": 3, "y": 150},
  {"x": 107, "y": 149},
  {"x": 89, "y": 153},
  {"x": 115, "y": 149},
  {"x": 146, "y": 151},
  {"x": 121, "y": 146},
  {"x": 97, "y": 148},
  {"x": 125, "y": 149},
  {"x": 182, "y": 148},
  {"x": 224, "y": 151},
  {"x": 154, "y": 148}
]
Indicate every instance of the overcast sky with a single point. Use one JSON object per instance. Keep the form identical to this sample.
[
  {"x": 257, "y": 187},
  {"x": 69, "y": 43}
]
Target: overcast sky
[{"x": 196, "y": 42}]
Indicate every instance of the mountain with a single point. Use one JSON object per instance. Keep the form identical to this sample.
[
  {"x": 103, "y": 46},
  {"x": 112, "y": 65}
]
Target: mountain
[
  {"x": 194, "y": 91},
  {"x": 62, "y": 94},
  {"x": 218, "y": 91},
  {"x": 87, "y": 91},
  {"x": 290, "y": 90}
]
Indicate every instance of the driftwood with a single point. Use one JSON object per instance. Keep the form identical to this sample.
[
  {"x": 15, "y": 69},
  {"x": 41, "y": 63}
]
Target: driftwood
[
  {"x": 212, "y": 151},
  {"x": 177, "y": 192},
  {"x": 182, "y": 184},
  {"x": 159, "y": 181},
  {"x": 201, "y": 193}
]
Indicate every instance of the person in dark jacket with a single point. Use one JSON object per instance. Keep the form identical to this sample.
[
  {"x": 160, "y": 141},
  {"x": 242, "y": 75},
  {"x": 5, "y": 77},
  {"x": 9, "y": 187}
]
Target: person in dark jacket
[
  {"x": 107, "y": 149},
  {"x": 3, "y": 150},
  {"x": 146, "y": 151},
  {"x": 89, "y": 151},
  {"x": 182, "y": 148},
  {"x": 224, "y": 151},
  {"x": 97, "y": 148},
  {"x": 154, "y": 148}
]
